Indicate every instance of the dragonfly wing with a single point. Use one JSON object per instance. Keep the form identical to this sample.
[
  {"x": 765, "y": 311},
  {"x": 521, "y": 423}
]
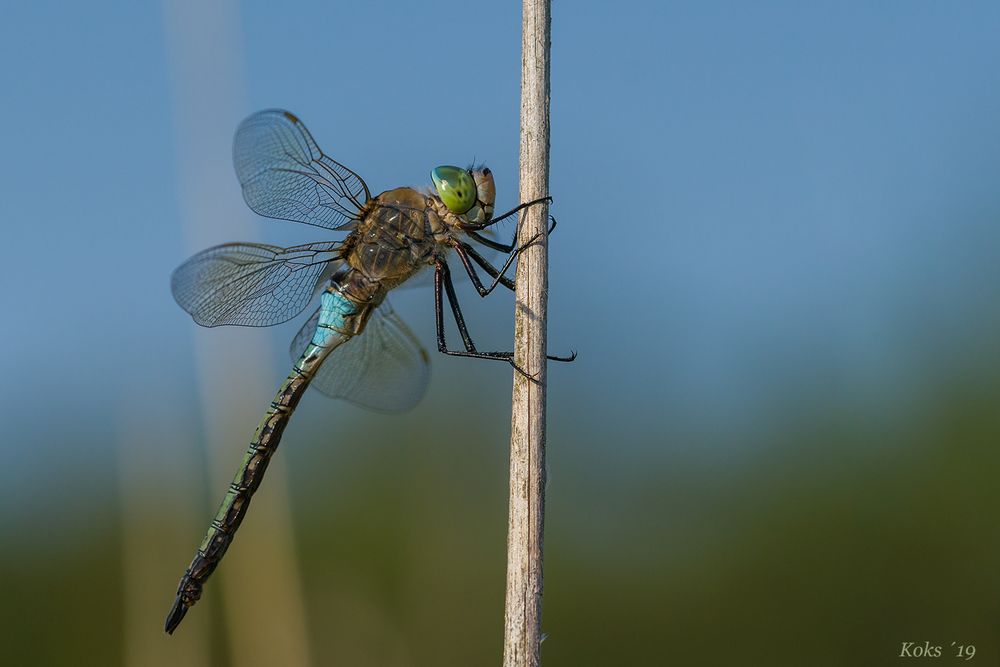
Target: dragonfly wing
[
  {"x": 252, "y": 284},
  {"x": 385, "y": 368},
  {"x": 285, "y": 175}
]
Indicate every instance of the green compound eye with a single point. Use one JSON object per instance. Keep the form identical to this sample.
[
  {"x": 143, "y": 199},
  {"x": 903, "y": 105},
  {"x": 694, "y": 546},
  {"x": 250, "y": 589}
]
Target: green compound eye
[{"x": 456, "y": 188}]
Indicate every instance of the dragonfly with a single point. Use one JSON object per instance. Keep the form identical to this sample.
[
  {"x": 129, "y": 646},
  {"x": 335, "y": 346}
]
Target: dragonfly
[{"x": 354, "y": 346}]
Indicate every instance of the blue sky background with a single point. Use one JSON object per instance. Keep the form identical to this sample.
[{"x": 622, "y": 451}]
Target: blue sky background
[
  {"x": 765, "y": 209},
  {"x": 756, "y": 197}
]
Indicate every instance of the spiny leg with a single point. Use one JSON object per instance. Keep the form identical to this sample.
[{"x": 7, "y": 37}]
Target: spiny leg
[
  {"x": 505, "y": 247},
  {"x": 541, "y": 200},
  {"x": 465, "y": 251},
  {"x": 489, "y": 268},
  {"x": 498, "y": 275},
  {"x": 442, "y": 282},
  {"x": 493, "y": 221}
]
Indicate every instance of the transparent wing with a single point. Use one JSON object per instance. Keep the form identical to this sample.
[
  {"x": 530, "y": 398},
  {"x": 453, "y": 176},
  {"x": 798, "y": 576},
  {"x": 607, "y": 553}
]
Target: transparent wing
[
  {"x": 251, "y": 284},
  {"x": 385, "y": 368},
  {"x": 285, "y": 175}
]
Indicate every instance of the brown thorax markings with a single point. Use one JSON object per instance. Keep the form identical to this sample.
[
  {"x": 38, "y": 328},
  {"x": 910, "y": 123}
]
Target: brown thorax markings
[{"x": 394, "y": 221}]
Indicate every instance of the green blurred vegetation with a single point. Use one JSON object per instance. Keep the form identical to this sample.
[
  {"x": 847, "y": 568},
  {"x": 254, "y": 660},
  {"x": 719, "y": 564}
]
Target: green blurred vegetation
[{"x": 828, "y": 540}]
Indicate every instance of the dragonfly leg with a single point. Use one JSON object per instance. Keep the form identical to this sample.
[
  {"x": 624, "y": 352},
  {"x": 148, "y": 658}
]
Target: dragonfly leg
[
  {"x": 483, "y": 225},
  {"x": 505, "y": 247},
  {"x": 443, "y": 283},
  {"x": 465, "y": 252},
  {"x": 500, "y": 218},
  {"x": 489, "y": 268}
]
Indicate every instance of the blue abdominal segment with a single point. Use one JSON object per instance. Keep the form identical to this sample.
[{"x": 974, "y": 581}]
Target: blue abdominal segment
[{"x": 334, "y": 308}]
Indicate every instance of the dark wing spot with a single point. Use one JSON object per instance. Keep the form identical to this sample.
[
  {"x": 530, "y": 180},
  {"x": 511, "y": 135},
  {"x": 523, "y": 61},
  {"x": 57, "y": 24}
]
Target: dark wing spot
[{"x": 290, "y": 116}]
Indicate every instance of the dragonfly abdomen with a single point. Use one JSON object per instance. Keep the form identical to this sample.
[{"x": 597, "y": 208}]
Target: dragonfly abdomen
[
  {"x": 340, "y": 319},
  {"x": 335, "y": 318}
]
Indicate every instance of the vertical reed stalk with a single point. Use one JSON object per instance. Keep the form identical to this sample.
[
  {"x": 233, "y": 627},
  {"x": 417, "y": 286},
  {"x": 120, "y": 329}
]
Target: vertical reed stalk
[{"x": 523, "y": 610}]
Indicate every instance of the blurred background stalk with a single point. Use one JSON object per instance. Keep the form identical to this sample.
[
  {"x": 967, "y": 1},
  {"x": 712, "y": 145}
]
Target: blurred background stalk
[
  {"x": 154, "y": 446},
  {"x": 259, "y": 581}
]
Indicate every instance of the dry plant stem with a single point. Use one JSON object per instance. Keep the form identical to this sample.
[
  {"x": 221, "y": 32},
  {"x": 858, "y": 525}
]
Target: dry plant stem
[{"x": 523, "y": 610}]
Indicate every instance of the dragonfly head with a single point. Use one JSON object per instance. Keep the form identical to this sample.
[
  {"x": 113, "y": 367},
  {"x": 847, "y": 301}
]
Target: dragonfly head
[
  {"x": 467, "y": 192},
  {"x": 486, "y": 194}
]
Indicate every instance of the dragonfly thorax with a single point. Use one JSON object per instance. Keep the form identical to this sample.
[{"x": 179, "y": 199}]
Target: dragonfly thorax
[{"x": 399, "y": 233}]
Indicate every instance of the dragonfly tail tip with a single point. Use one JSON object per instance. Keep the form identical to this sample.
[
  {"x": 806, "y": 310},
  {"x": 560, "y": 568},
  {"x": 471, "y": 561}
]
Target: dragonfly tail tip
[{"x": 175, "y": 616}]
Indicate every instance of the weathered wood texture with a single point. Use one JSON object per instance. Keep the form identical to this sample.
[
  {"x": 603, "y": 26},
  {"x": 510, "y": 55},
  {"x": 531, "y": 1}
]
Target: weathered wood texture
[{"x": 523, "y": 611}]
